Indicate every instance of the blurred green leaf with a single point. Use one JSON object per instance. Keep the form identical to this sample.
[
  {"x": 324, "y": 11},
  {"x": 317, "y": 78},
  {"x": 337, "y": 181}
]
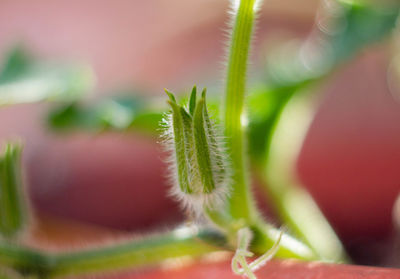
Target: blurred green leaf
[
  {"x": 118, "y": 113},
  {"x": 265, "y": 105},
  {"x": 13, "y": 205},
  {"x": 340, "y": 33},
  {"x": 25, "y": 80},
  {"x": 16, "y": 61},
  {"x": 136, "y": 113},
  {"x": 353, "y": 27},
  {"x": 341, "y": 30}
]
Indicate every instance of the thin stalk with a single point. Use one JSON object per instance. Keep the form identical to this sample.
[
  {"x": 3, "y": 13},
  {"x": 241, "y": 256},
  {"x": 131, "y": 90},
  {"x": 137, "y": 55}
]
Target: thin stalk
[
  {"x": 265, "y": 236},
  {"x": 293, "y": 203},
  {"x": 240, "y": 202},
  {"x": 125, "y": 255},
  {"x": 24, "y": 259},
  {"x": 241, "y": 206}
]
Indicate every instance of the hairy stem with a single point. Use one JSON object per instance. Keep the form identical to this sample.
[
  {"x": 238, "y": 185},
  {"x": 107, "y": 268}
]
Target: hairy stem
[
  {"x": 124, "y": 255},
  {"x": 241, "y": 206},
  {"x": 240, "y": 200}
]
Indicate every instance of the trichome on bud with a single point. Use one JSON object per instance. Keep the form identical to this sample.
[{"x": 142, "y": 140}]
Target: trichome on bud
[{"x": 199, "y": 169}]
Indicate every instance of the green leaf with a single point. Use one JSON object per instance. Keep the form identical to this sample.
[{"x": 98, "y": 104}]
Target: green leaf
[
  {"x": 16, "y": 61},
  {"x": 117, "y": 113}
]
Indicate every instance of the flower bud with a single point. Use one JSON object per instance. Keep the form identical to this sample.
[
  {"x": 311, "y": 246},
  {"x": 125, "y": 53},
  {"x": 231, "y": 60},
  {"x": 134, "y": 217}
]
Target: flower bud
[{"x": 199, "y": 168}]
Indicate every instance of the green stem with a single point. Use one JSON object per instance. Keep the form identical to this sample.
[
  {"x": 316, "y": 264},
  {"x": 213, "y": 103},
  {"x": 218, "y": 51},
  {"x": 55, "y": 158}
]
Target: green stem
[
  {"x": 265, "y": 236},
  {"x": 241, "y": 206},
  {"x": 124, "y": 255},
  {"x": 240, "y": 201},
  {"x": 24, "y": 259},
  {"x": 293, "y": 203}
]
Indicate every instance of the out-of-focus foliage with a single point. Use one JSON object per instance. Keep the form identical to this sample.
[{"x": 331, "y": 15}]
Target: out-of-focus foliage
[
  {"x": 13, "y": 205},
  {"x": 342, "y": 29},
  {"x": 118, "y": 113},
  {"x": 124, "y": 111},
  {"x": 25, "y": 80},
  {"x": 8, "y": 273}
]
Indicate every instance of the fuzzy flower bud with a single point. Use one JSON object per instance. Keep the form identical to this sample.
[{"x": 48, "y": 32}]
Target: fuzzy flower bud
[{"x": 199, "y": 169}]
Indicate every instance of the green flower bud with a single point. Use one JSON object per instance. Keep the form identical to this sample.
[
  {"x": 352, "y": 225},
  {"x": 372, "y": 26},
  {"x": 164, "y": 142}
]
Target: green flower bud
[{"x": 199, "y": 169}]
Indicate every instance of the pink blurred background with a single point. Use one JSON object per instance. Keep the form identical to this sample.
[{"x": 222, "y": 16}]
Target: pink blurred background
[{"x": 350, "y": 160}]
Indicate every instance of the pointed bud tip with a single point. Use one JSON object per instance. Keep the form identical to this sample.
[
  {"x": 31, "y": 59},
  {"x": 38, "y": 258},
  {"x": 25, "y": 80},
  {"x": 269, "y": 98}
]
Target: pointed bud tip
[
  {"x": 170, "y": 95},
  {"x": 192, "y": 100},
  {"x": 203, "y": 93}
]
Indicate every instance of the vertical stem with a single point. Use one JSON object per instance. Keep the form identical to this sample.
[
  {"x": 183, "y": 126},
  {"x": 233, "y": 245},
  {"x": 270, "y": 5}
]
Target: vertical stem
[
  {"x": 240, "y": 201},
  {"x": 241, "y": 205}
]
